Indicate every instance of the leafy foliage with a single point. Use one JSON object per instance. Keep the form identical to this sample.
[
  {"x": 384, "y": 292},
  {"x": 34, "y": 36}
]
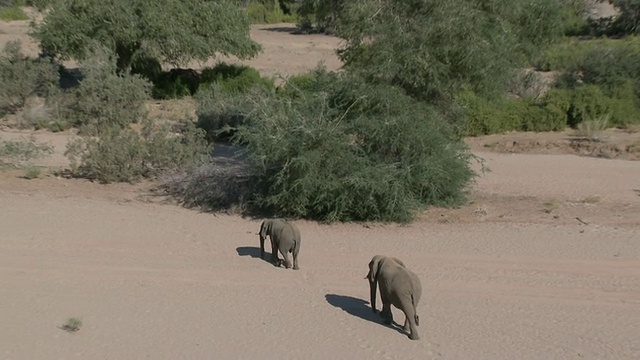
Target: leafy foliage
[
  {"x": 598, "y": 78},
  {"x": 22, "y": 152},
  {"x": 171, "y": 31},
  {"x": 269, "y": 12},
  {"x": 434, "y": 49},
  {"x": 629, "y": 19},
  {"x": 125, "y": 155},
  {"x": 177, "y": 83},
  {"x": 104, "y": 99},
  {"x": 12, "y": 13},
  {"x": 350, "y": 151},
  {"x": 321, "y": 14},
  {"x": 508, "y": 114},
  {"x": 21, "y": 77}
]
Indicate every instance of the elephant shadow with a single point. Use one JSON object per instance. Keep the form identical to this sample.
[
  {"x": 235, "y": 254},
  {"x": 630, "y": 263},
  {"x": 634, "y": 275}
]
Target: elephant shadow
[
  {"x": 358, "y": 308},
  {"x": 253, "y": 252}
]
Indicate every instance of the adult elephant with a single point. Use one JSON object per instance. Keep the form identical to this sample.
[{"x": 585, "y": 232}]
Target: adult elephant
[{"x": 399, "y": 287}]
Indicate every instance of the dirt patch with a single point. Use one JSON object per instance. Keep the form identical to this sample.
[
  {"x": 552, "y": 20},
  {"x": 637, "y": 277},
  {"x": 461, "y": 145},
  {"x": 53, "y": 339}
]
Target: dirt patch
[{"x": 610, "y": 143}]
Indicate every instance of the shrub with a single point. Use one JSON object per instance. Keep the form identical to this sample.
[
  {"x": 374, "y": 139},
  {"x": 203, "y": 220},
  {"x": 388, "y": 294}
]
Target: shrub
[
  {"x": 125, "y": 155},
  {"x": 217, "y": 109},
  {"x": 268, "y": 12},
  {"x": 32, "y": 172},
  {"x": 588, "y": 102},
  {"x": 175, "y": 84},
  {"x": 629, "y": 19},
  {"x": 21, "y": 78},
  {"x": 507, "y": 114},
  {"x": 598, "y": 78},
  {"x": 256, "y": 12},
  {"x": 235, "y": 78},
  {"x": 21, "y": 152},
  {"x": 178, "y": 83},
  {"x": 213, "y": 186},
  {"x": 297, "y": 85},
  {"x": 353, "y": 151},
  {"x": 215, "y": 102},
  {"x": 104, "y": 99},
  {"x": 612, "y": 65}
]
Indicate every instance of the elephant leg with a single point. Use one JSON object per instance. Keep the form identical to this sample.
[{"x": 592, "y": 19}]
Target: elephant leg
[
  {"x": 274, "y": 253},
  {"x": 285, "y": 255},
  {"x": 296, "y": 249},
  {"x": 410, "y": 325},
  {"x": 386, "y": 313}
]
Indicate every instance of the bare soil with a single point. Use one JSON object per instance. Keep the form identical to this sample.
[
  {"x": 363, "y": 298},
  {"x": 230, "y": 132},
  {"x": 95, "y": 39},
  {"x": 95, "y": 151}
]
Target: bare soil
[{"x": 544, "y": 263}]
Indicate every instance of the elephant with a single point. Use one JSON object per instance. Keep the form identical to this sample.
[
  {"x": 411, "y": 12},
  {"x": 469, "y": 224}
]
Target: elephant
[
  {"x": 400, "y": 287},
  {"x": 284, "y": 236}
]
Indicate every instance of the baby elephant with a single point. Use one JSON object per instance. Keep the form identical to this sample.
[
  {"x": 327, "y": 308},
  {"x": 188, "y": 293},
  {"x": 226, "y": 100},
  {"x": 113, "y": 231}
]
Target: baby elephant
[
  {"x": 284, "y": 236},
  {"x": 399, "y": 287}
]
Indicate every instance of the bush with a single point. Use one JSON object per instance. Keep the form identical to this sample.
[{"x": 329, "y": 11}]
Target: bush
[
  {"x": 629, "y": 19},
  {"x": 212, "y": 186},
  {"x": 104, "y": 99},
  {"x": 235, "y": 79},
  {"x": 597, "y": 78},
  {"x": 21, "y": 78},
  {"x": 175, "y": 84},
  {"x": 21, "y": 152},
  {"x": 257, "y": 12},
  {"x": 508, "y": 114},
  {"x": 217, "y": 109},
  {"x": 268, "y": 12},
  {"x": 215, "y": 102},
  {"x": 588, "y": 102},
  {"x": 611, "y": 65},
  {"x": 178, "y": 83},
  {"x": 125, "y": 155},
  {"x": 564, "y": 55},
  {"x": 297, "y": 85},
  {"x": 353, "y": 151}
]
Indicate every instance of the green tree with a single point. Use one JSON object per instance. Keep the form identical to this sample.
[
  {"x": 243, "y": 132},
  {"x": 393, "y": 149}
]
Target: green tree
[
  {"x": 435, "y": 48},
  {"x": 171, "y": 31}
]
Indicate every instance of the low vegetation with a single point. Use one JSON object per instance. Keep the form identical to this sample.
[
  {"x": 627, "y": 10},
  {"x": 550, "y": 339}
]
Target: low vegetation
[
  {"x": 21, "y": 153},
  {"x": 72, "y": 325},
  {"x": 381, "y": 140},
  {"x": 12, "y": 12},
  {"x": 127, "y": 155},
  {"x": 271, "y": 11}
]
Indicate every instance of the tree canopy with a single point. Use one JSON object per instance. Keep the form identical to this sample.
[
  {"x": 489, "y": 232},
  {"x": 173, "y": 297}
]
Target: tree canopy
[
  {"x": 434, "y": 48},
  {"x": 170, "y": 31}
]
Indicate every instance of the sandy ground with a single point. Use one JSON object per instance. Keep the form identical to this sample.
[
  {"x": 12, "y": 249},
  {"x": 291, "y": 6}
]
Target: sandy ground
[{"x": 544, "y": 263}]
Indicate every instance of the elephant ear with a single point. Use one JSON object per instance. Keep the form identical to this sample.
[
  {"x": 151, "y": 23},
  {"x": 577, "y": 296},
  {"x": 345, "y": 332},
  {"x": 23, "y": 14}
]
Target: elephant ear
[
  {"x": 265, "y": 228},
  {"x": 374, "y": 265}
]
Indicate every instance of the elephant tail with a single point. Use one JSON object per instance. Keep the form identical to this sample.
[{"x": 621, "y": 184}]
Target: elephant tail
[{"x": 415, "y": 311}]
